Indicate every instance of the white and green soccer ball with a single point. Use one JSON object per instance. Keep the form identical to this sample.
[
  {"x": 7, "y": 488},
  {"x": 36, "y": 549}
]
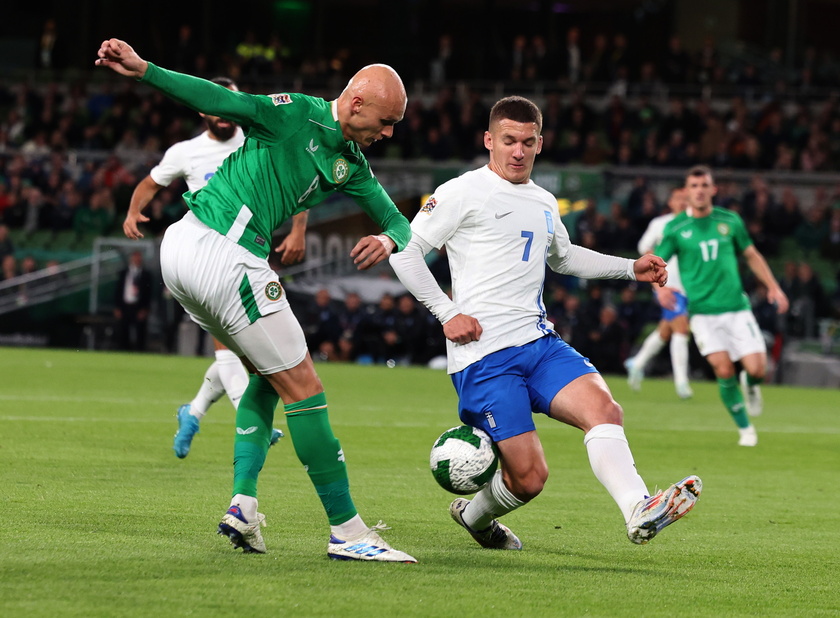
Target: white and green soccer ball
[{"x": 463, "y": 460}]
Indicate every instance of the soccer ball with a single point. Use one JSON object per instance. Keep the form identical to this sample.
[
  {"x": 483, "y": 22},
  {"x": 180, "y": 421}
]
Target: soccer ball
[{"x": 463, "y": 460}]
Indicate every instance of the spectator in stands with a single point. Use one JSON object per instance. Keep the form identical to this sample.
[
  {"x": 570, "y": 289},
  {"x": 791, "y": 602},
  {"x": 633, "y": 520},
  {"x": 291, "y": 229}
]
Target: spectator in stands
[
  {"x": 830, "y": 247},
  {"x": 572, "y": 324},
  {"x": 783, "y": 219},
  {"x": 7, "y": 247},
  {"x": 410, "y": 328},
  {"x": 571, "y": 59},
  {"x": 811, "y": 233},
  {"x": 97, "y": 219},
  {"x": 322, "y": 327},
  {"x": 446, "y": 64},
  {"x": 8, "y": 267},
  {"x": 808, "y": 302},
  {"x": 132, "y": 302},
  {"x": 607, "y": 341},
  {"x": 350, "y": 317},
  {"x": 675, "y": 62},
  {"x": 632, "y": 314}
]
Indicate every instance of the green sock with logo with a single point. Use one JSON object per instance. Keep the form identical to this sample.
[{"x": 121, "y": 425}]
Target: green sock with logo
[
  {"x": 733, "y": 399},
  {"x": 320, "y": 453},
  {"x": 254, "y": 422}
]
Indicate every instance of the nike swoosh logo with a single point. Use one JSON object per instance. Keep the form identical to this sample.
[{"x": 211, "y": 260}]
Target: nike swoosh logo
[{"x": 503, "y": 214}]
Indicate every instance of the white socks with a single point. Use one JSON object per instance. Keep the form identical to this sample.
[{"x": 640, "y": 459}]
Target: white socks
[
  {"x": 248, "y": 506},
  {"x": 491, "y": 502},
  {"x": 210, "y": 392},
  {"x": 350, "y": 529},
  {"x": 225, "y": 375},
  {"x": 232, "y": 374},
  {"x": 679, "y": 357},
  {"x": 650, "y": 347},
  {"x": 613, "y": 465}
]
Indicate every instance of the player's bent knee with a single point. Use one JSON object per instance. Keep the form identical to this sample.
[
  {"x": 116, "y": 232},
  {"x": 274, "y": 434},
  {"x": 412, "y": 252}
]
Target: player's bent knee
[{"x": 527, "y": 486}]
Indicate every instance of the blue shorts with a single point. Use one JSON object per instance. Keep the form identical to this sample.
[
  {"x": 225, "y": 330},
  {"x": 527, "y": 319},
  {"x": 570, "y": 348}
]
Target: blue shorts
[
  {"x": 681, "y": 308},
  {"x": 500, "y": 392}
]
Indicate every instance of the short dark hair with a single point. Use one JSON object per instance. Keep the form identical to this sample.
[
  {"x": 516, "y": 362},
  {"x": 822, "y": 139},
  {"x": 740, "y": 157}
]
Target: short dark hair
[
  {"x": 227, "y": 82},
  {"x": 700, "y": 170},
  {"x": 518, "y": 109}
]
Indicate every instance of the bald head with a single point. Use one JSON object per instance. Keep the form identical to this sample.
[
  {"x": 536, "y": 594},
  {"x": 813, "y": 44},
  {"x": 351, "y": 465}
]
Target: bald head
[
  {"x": 371, "y": 104},
  {"x": 379, "y": 82}
]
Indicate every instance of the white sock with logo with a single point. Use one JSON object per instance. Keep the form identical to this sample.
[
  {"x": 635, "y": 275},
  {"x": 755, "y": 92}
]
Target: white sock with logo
[
  {"x": 491, "y": 502},
  {"x": 210, "y": 392},
  {"x": 613, "y": 465},
  {"x": 232, "y": 375},
  {"x": 248, "y": 506}
]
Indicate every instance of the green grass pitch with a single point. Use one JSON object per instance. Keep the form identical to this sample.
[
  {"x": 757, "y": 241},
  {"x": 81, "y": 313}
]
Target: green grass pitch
[{"x": 101, "y": 519}]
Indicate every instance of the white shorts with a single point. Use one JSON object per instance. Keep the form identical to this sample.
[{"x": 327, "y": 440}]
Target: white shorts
[
  {"x": 231, "y": 293},
  {"x": 736, "y": 333}
]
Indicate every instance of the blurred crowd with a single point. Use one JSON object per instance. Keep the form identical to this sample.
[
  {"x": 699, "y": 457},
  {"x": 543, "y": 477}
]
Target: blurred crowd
[
  {"x": 395, "y": 331},
  {"x": 72, "y": 153}
]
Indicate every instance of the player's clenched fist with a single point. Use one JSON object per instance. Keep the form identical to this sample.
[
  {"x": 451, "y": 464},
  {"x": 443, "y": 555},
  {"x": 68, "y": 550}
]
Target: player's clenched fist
[{"x": 120, "y": 57}]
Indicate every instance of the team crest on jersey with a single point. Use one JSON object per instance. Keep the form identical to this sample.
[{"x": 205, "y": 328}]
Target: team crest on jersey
[
  {"x": 281, "y": 99},
  {"x": 273, "y": 291},
  {"x": 340, "y": 170},
  {"x": 723, "y": 229},
  {"x": 429, "y": 206}
]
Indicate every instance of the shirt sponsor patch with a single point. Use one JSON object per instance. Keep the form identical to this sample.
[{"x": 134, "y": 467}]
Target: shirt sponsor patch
[
  {"x": 281, "y": 99},
  {"x": 430, "y": 204}
]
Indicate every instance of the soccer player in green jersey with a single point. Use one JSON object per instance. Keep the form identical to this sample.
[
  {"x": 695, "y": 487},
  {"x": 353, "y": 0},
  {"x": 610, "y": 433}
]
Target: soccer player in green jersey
[
  {"x": 708, "y": 241},
  {"x": 298, "y": 150}
]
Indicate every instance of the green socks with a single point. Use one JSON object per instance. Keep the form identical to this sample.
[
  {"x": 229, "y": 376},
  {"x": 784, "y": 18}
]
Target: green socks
[
  {"x": 733, "y": 399},
  {"x": 254, "y": 422},
  {"x": 316, "y": 446},
  {"x": 751, "y": 381},
  {"x": 320, "y": 453}
]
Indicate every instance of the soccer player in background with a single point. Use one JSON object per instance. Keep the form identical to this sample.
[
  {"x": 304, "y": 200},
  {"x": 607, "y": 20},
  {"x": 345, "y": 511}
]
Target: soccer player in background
[
  {"x": 708, "y": 240},
  {"x": 298, "y": 150},
  {"x": 673, "y": 325},
  {"x": 196, "y": 160},
  {"x": 505, "y": 360}
]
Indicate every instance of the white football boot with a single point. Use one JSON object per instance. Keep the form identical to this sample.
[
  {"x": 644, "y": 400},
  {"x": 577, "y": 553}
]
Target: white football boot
[
  {"x": 494, "y": 536},
  {"x": 652, "y": 514},
  {"x": 369, "y": 546}
]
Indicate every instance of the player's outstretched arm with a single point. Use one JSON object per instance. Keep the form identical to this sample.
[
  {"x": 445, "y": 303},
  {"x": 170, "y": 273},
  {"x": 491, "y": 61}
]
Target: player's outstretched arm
[
  {"x": 758, "y": 265},
  {"x": 651, "y": 268},
  {"x": 120, "y": 57},
  {"x": 145, "y": 190}
]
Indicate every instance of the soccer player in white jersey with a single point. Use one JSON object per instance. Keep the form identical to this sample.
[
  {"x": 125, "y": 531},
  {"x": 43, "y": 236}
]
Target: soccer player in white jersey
[
  {"x": 196, "y": 160},
  {"x": 673, "y": 325},
  {"x": 505, "y": 360}
]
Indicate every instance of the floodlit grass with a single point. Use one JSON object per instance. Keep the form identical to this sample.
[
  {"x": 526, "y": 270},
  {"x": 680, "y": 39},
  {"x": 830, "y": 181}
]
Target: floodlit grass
[{"x": 101, "y": 519}]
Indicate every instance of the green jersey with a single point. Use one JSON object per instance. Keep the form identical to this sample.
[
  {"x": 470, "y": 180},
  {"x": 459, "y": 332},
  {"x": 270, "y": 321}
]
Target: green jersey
[
  {"x": 294, "y": 157},
  {"x": 708, "y": 250}
]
